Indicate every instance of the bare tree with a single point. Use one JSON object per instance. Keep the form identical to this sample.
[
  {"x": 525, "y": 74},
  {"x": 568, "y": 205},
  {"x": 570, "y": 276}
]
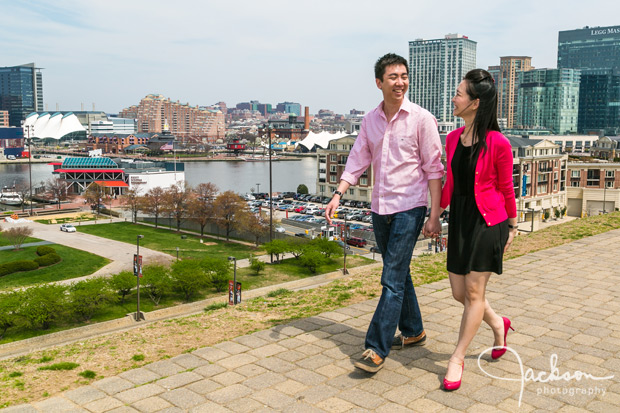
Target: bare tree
[
  {"x": 176, "y": 200},
  {"x": 93, "y": 195},
  {"x": 153, "y": 202},
  {"x": 201, "y": 204},
  {"x": 17, "y": 235},
  {"x": 132, "y": 201},
  {"x": 23, "y": 189},
  {"x": 255, "y": 225},
  {"x": 58, "y": 188},
  {"x": 229, "y": 211}
]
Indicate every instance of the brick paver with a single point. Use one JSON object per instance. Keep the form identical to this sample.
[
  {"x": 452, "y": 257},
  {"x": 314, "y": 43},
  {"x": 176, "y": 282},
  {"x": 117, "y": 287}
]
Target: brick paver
[{"x": 563, "y": 302}]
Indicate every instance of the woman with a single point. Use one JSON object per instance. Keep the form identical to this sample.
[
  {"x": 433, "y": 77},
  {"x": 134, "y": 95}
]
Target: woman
[{"x": 483, "y": 213}]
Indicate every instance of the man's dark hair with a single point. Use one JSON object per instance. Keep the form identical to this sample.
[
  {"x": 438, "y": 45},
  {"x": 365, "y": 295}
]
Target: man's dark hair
[{"x": 389, "y": 60}]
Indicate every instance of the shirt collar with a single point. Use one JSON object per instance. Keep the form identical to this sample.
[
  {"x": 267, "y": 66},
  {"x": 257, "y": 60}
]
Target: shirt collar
[{"x": 405, "y": 106}]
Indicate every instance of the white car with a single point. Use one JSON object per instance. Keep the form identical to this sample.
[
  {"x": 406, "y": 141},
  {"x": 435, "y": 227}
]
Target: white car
[
  {"x": 67, "y": 228},
  {"x": 280, "y": 229}
]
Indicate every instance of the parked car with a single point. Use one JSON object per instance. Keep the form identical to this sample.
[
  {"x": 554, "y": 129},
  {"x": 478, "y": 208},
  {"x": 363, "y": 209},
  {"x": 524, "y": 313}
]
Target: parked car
[
  {"x": 300, "y": 234},
  {"x": 375, "y": 249},
  {"x": 10, "y": 157},
  {"x": 343, "y": 245},
  {"x": 67, "y": 228},
  {"x": 280, "y": 229},
  {"x": 357, "y": 242}
]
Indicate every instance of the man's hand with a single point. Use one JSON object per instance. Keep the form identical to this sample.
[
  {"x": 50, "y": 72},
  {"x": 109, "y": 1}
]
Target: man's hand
[
  {"x": 331, "y": 208},
  {"x": 432, "y": 228}
]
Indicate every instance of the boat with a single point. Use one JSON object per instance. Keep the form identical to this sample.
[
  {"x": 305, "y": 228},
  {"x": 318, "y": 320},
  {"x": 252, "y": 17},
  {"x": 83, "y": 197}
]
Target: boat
[
  {"x": 8, "y": 196},
  {"x": 257, "y": 158}
]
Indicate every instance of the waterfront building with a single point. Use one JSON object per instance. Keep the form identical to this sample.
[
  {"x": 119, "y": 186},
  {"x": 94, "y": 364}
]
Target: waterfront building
[
  {"x": 594, "y": 187},
  {"x": 117, "y": 143},
  {"x": 596, "y": 52},
  {"x": 4, "y": 118},
  {"x": 56, "y": 125},
  {"x": 436, "y": 67},
  {"x": 291, "y": 129},
  {"x": 330, "y": 166},
  {"x": 506, "y": 77},
  {"x": 549, "y": 98},
  {"x": 188, "y": 123},
  {"x": 21, "y": 91},
  {"x": 113, "y": 126},
  {"x": 11, "y": 142}
]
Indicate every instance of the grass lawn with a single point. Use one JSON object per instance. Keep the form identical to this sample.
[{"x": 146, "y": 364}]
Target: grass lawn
[
  {"x": 4, "y": 242},
  {"x": 165, "y": 240},
  {"x": 71, "y": 220},
  {"x": 75, "y": 263}
]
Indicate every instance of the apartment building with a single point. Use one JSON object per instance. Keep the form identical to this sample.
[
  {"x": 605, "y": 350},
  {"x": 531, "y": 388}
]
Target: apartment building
[
  {"x": 330, "y": 166},
  {"x": 594, "y": 188}
]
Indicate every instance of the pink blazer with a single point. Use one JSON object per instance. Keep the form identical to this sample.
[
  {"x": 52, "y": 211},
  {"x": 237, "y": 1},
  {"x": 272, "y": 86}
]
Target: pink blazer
[{"x": 493, "y": 187}]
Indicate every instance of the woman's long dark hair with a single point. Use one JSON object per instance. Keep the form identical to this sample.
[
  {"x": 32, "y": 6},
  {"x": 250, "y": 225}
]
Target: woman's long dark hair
[{"x": 480, "y": 85}]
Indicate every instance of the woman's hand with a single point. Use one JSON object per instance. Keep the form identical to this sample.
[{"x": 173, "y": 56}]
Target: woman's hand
[{"x": 511, "y": 236}]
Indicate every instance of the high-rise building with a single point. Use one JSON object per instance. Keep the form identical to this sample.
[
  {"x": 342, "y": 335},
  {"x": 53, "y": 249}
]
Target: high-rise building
[
  {"x": 289, "y": 107},
  {"x": 4, "y": 118},
  {"x": 596, "y": 52},
  {"x": 548, "y": 98},
  {"x": 436, "y": 68},
  {"x": 157, "y": 113},
  {"x": 507, "y": 85},
  {"x": 21, "y": 91}
]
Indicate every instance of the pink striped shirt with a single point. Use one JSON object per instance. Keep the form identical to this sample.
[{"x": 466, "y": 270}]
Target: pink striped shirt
[{"x": 404, "y": 152}]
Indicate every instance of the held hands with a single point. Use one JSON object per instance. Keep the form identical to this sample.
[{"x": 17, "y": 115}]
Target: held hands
[
  {"x": 511, "y": 237},
  {"x": 432, "y": 228}
]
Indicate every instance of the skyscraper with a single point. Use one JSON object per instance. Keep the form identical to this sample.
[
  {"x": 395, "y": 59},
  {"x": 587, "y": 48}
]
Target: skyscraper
[
  {"x": 21, "y": 91},
  {"x": 596, "y": 51},
  {"x": 548, "y": 98},
  {"x": 436, "y": 68},
  {"x": 507, "y": 85}
]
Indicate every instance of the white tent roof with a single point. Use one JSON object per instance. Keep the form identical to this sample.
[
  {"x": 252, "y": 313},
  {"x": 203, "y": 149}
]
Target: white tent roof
[
  {"x": 320, "y": 139},
  {"x": 53, "y": 126}
]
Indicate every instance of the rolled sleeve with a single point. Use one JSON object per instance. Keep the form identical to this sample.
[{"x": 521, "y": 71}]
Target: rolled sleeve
[
  {"x": 359, "y": 158},
  {"x": 430, "y": 148}
]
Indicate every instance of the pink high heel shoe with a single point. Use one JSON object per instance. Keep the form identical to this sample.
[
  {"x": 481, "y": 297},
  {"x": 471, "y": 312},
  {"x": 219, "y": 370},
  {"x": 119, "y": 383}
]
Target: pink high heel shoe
[
  {"x": 495, "y": 354},
  {"x": 453, "y": 385}
]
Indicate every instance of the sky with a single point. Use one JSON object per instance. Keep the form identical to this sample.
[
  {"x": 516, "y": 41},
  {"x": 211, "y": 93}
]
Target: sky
[{"x": 318, "y": 53}]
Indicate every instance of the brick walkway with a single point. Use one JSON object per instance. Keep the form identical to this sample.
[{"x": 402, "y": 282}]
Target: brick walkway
[{"x": 563, "y": 302}]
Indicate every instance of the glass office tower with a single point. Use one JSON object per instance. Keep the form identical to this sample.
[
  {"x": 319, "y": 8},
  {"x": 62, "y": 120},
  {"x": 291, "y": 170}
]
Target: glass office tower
[{"x": 21, "y": 91}]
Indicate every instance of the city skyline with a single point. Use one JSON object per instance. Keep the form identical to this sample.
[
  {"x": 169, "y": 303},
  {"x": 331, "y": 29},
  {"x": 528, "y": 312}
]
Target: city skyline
[{"x": 112, "y": 54}]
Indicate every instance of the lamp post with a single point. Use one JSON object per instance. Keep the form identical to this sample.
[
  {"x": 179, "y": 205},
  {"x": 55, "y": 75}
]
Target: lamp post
[
  {"x": 138, "y": 274},
  {"x": 604, "y": 190},
  {"x": 344, "y": 247},
  {"x": 258, "y": 188},
  {"x": 29, "y": 129},
  {"x": 234, "y": 261},
  {"x": 270, "y": 192}
]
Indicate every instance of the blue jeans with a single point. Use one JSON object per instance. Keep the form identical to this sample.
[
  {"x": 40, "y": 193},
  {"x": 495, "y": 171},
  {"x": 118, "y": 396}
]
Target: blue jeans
[{"x": 396, "y": 236}]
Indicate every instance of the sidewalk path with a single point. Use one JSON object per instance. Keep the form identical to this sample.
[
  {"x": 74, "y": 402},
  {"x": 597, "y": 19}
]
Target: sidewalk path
[
  {"x": 29, "y": 244},
  {"x": 563, "y": 302}
]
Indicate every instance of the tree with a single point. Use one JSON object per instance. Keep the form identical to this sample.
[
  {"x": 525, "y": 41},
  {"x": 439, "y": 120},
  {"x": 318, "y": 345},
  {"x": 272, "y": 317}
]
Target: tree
[
  {"x": 217, "y": 272},
  {"x": 312, "y": 259},
  {"x": 152, "y": 203},
  {"x": 93, "y": 195},
  {"x": 122, "y": 283},
  {"x": 255, "y": 225},
  {"x": 42, "y": 305},
  {"x": 132, "y": 201},
  {"x": 17, "y": 236},
  {"x": 297, "y": 246},
  {"x": 276, "y": 247},
  {"x": 302, "y": 189},
  {"x": 176, "y": 200},
  {"x": 201, "y": 205},
  {"x": 9, "y": 306},
  {"x": 229, "y": 209},
  {"x": 188, "y": 277},
  {"x": 58, "y": 188},
  {"x": 256, "y": 265},
  {"x": 156, "y": 279},
  {"x": 326, "y": 247},
  {"x": 88, "y": 296}
]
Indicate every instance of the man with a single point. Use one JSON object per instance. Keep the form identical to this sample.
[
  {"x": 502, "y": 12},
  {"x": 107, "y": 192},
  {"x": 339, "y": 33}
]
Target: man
[{"x": 400, "y": 140}]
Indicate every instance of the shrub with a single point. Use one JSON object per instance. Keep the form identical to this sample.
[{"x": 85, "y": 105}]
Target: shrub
[
  {"x": 122, "y": 283},
  {"x": 88, "y": 296},
  {"x": 42, "y": 305},
  {"x": 217, "y": 272},
  {"x": 156, "y": 279},
  {"x": 326, "y": 247},
  {"x": 17, "y": 235},
  {"x": 257, "y": 265},
  {"x": 16, "y": 266},
  {"x": 44, "y": 250},
  {"x": 312, "y": 259},
  {"x": 48, "y": 259},
  {"x": 65, "y": 365}
]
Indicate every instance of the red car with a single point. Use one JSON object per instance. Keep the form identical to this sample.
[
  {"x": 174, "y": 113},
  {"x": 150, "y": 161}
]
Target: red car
[{"x": 357, "y": 242}]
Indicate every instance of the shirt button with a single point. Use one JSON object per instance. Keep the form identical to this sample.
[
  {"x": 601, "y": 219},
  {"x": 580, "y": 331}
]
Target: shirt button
[
  {"x": 489, "y": 223},
  {"x": 476, "y": 173},
  {"x": 484, "y": 215}
]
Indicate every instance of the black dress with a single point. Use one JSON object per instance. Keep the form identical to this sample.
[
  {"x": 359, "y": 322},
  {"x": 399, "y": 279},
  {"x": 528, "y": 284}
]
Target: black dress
[{"x": 472, "y": 245}]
